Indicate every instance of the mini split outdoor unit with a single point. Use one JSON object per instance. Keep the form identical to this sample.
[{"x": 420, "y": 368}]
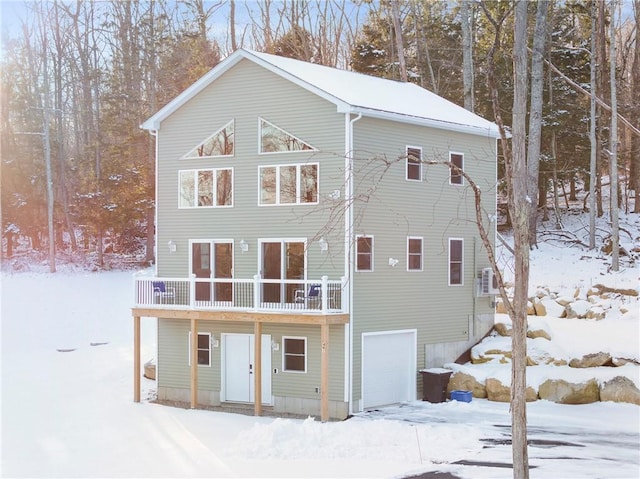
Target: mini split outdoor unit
[{"x": 488, "y": 283}]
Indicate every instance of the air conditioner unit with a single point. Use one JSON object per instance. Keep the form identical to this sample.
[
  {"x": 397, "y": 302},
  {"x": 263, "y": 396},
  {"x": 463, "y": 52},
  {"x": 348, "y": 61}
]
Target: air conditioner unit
[{"x": 488, "y": 283}]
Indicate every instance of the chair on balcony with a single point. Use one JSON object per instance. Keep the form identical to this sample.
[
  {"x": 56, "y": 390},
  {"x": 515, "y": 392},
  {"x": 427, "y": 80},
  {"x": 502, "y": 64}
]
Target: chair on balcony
[
  {"x": 311, "y": 298},
  {"x": 163, "y": 294}
]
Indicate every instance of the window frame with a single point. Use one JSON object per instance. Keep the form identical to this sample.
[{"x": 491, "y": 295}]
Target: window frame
[
  {"x": 195, "y": 172},
  {"x": 370, "y": 253},
  {"x": 209, "y": 349},
  {"x": 461, "y": 262},
  {"x": 408, "y": 163},
  {"x": 459, "y": 182},
  {"x": 421, "y": 254},
  {"x": 260, "y": 147},
  {"x": 298, "y": 187},
  {"x": 304, "y": 355},
  {"x": 232, "y": 122}
]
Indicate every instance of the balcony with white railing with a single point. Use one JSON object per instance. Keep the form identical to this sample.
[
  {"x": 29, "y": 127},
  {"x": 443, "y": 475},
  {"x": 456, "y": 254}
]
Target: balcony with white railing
[{"x": 294, "y": 296}]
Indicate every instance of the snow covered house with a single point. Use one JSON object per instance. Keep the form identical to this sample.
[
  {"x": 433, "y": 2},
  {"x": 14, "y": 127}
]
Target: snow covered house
[{"x": 295, "y": 205}]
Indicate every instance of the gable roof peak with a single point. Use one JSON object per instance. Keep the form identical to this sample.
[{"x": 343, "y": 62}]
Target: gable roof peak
[{"x": 350, "y": 91}]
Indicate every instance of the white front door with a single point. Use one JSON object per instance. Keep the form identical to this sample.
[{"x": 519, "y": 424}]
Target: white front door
[{"x": 238, "y": 368}]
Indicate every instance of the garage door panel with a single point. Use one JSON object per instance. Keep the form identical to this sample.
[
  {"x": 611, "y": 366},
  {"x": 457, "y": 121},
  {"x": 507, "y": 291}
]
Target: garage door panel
[{"x": 388, "y": 368}]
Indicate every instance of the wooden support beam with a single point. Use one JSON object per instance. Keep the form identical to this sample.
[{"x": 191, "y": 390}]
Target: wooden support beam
[
  {"x": 194, "y": 363},
  {"x": 324, "y": 372},
  {"x": 136, "y": 358},
  {"x": 257, "y": 367}
]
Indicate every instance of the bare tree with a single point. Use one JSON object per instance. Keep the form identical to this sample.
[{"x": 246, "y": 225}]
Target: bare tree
[
  {"x": 592, "y": 131},
  {"x": 613, "y": 154},
  {"x": 466, "y": 21},
  {"x": 535, "y": 115},
  {"x": 519, "y": 204},
  {"x": 397, "y": 30}
]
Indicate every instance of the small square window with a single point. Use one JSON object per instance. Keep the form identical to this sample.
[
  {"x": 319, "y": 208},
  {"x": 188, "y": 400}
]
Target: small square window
[
  {"x": 414, "y": 163},
  {"x": 364, "y": 253},
  {"x": 204, "y": 349},
  {"x": 294, "y": 354},
  {"x": 457, "y": 159},
  {"x": 414, "y": 254},
  {"x": 456, "y": 261}
]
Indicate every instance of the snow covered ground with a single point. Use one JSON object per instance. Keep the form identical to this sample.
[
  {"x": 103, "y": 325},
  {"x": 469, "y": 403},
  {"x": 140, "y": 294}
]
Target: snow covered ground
[{"x": 68, "y": 410}]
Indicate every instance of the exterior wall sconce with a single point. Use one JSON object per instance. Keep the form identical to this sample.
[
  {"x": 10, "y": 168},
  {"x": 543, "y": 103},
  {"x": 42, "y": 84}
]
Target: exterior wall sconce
[
  {"x": 275, "y": 346},
  {"x": 172, "y": 246},
  {"x": 244, "y": 246},
  {"x": 393, "y": 262},
  {"x": 324, "y": 246}
]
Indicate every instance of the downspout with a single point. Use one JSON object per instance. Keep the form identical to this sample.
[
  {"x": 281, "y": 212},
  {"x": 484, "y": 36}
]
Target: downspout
[
  {"x": 349, "y": 249},
  {"x": 154, "y": 133}
]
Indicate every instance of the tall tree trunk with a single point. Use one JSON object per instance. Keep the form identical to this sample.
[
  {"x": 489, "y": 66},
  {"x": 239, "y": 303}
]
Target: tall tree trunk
[
  {"x": 592, "y": 131},
  {"x": 232, "y": 24},
  {"x": 613, "y": 160},
  {"x": 466, "y": 21},
  {"x": 520, "y": 206},
  {"x": 535, "y": 115},
  {"x": 634, "y": 175},
  {"x": 397, "y": 27}
]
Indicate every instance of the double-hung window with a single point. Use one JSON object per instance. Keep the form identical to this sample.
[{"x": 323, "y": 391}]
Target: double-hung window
[
  {"x": 203, "y": 346},
  {"x": 414, "y": 163},
  {"x": 456, "y": 261},
  {"x": 294, "y": 354},
  {"x": 457, "y": 159},
  {"x": 364, "y": 253},
  {"x": 289, "y": 184},
  {"x": 414, "y": 253},
  {"x": 203, "y": 188}
]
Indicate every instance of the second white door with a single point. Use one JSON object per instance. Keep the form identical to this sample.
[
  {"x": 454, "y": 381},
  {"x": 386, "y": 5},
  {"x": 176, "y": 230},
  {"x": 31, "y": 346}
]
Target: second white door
[{"x": 238, "y": 368}]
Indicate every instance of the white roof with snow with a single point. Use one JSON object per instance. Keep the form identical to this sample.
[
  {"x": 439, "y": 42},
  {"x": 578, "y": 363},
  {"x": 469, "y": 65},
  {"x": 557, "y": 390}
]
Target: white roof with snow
[{"x": 351, "y": 92}]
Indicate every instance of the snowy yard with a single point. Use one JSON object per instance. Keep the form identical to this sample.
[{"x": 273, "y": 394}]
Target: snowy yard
[{"x": 68, "y": 410}]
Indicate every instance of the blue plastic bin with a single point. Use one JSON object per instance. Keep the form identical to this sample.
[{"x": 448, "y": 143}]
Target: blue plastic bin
[{"x": 463, "y": 396}]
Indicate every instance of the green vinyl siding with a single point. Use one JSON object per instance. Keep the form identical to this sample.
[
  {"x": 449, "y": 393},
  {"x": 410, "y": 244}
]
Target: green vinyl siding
[
  {"x": 174, "y": 371},
  {"x": 245, "y": 93},
  {"x": 392, "y": 298}
]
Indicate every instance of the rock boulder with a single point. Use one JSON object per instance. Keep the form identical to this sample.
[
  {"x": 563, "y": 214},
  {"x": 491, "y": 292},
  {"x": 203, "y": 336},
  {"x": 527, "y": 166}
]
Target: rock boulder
[
  {"x": 620, "y": 389},
  {"x": 496, "y": 391},
  {"x": 564, "y": 392},
  {"x": 466, "y": 382},
  {"x": 592, "y": 360}
]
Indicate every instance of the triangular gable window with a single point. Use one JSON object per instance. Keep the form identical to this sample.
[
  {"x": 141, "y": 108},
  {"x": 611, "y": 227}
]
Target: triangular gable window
[
  {"x": 218, "y": 144},
  {"x": 275, "y": 140}
]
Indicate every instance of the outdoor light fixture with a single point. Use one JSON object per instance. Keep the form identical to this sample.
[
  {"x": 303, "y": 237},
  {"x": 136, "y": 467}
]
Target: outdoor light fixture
[
  {"x": 244, "y": 246},
  {"x": 275, "y": 346},
  {"x": 324, "y": 246},
  {"x": 172, "y": 246},
  {"x": 393, "y": 262}
]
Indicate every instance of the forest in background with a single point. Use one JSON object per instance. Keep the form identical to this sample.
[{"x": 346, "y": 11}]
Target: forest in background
[{"x": 78, "y": 78}]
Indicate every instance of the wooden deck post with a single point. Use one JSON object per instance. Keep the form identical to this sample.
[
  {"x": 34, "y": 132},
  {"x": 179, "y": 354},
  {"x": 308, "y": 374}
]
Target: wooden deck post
[
  {"x": 194, "y": 363},
  {"x": 324, "y": 372},
  {"x": 257, "y": 367},
  {"x": 136, "y": 358}
]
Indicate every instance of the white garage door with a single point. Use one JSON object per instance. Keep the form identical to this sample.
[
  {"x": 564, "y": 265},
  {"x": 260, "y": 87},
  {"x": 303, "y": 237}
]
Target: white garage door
[{"x": 388, "y": 368}]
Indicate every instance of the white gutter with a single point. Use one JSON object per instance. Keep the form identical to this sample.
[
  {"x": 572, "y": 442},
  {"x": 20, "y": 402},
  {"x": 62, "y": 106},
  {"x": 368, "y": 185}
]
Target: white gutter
[
  {"x": 349, "y": 249},
  {"x": 490, "y": 131}
]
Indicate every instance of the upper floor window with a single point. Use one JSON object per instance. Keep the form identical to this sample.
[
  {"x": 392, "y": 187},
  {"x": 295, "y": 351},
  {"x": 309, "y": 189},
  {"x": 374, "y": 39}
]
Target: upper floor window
[
  {"x": 219, "y": 144},
  {"x": 456, "y": 261},
  {"x": 276, "y": 140},
  {"x": 414, "y": 163},
  {"x": 289, "y": 184},
  {"x": 414, "y": 253},
  {"x": 364, "y": 253},
  {"x": 456, "y": 177},
  {"x": 206, "y": 188}
]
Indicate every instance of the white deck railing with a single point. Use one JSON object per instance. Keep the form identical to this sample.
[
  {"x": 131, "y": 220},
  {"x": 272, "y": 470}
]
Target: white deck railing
[{"x": 320, "y": 296}]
